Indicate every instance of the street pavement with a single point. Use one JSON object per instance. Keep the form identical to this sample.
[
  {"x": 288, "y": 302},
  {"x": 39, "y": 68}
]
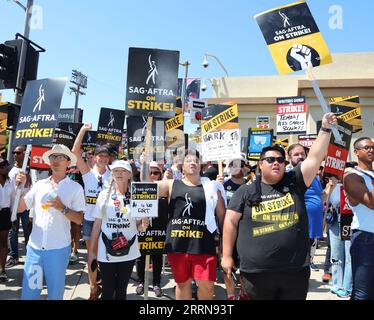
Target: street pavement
[{"x": 77, "y": 288}]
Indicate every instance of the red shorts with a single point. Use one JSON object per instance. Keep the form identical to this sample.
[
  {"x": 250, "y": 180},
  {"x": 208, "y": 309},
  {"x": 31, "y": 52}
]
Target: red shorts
[{"x": 192, "y": 266}]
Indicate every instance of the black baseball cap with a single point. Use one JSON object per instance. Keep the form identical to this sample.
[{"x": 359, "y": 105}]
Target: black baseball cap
[
  {"x": 273, "y": 148},
  {"x": 101, "y": 149}
]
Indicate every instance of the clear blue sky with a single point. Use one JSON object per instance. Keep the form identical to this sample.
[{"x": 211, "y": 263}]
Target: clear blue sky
[{"x": 94, "y": 37}]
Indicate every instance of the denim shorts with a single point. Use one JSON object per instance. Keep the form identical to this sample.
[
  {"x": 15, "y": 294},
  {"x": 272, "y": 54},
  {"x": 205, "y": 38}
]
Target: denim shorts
[{"x": 87, "y": 229}]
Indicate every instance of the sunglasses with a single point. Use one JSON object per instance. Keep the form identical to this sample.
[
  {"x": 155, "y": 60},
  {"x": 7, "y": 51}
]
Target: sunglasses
[
  {"x": 366, "y": 148},
  {"x": 17, "y": 152},
  {"x": 59, "y": 157},
  {"x": 154, "y": 173},
  {"x": 273, "y": 159}
]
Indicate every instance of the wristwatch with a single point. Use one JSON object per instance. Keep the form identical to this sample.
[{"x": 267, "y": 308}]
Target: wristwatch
[
  {"x": 65, "y": 211},
  {"x": 328, "y": 130}
]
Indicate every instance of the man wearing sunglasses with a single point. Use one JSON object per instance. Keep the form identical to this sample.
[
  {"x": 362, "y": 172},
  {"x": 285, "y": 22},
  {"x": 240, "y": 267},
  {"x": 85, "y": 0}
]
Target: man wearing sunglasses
[
  {"x": 270, "y": 221},
  {"x": 56, "y": 202},
  {"x": 359, "y": 187},
  {"x": 18, "y": 155}
]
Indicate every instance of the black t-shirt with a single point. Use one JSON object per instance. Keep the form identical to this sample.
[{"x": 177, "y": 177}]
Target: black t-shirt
[
  {"x": 230, "y": 188},
  {"x": 186, "y": 230},
  {"x": 273, "y": 236}
]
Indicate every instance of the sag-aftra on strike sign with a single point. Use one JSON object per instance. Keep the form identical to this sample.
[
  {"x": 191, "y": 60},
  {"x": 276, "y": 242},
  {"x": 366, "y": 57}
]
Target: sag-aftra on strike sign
[
  {"x": 39, "y": 111},
  {"x": 152, "y": 81}
]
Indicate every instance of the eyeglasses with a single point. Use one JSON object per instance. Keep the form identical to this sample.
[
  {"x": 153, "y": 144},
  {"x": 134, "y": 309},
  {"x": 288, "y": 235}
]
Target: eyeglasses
[
  {"x": 154, "y": 173},
  {"x": 273, "y": 159},
  {"x": 366, "y": 148},
  {"x": 17, "y": 152},
  {"x": 59, "y": 157}
]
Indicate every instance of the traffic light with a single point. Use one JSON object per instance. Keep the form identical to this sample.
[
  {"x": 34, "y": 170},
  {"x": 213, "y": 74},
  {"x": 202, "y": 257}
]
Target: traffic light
[
  {"x": 10, "y": 59},
  {"x": 196, "y": 107},
  {"x": 9, "y": 62}
]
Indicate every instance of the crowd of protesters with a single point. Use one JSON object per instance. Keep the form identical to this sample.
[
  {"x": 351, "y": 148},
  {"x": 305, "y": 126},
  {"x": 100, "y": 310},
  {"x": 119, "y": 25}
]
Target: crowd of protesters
[{"x": 259, "y": 224}]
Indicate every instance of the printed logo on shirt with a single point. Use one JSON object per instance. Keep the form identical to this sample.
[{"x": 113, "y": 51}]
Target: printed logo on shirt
[
  {"x": 270, "y": 212},
  {"x": 187, "y": 206},
  {"x": 91, "y": 200}
]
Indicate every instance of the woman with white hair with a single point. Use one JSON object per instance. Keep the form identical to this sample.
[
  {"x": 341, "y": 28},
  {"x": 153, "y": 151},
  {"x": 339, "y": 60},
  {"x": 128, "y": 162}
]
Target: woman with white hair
[{"x": 115, "y": 233}]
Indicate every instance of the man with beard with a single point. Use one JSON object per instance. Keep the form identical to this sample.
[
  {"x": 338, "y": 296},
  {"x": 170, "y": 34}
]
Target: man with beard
[{"x": 313, "y": 201}]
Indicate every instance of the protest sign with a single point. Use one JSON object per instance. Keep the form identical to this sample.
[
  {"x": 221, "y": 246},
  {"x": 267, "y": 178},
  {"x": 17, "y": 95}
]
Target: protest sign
[
  {"x": 346, "y": 216},
  {"x": 307, "y": 140},
  {"x": 283, "y": 142},
  {"x": 71, "y": 127},
  {"x": 293, "y": 38},
  {"x": 39, "y": 111},
  {"x": 110, "y": 126},
  {"x": 258, "y": 139},
  {"x": 67, "y": 115},
  {"x": 337, "y": 152},
  {"x": 348, "y": 109},
  {"x": 220, "y": 139},
  {"x": 136, "y": 131},
  {"x": 89, "y": 140},
  {"x": 36, "y": 158},
  {"x": 291, "y": 115},
  {"x": 152, "y": 241},
  {"x": 144, "y": 200},
  {"x": 174, "y": 137},
  {"x": 152, "y": 80},
  {"x": 263, "y": 122},
  {"x": 3, "y": 126}
]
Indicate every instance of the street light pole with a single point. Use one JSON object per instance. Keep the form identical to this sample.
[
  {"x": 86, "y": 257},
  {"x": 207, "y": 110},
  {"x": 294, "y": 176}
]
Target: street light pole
[{"x": 206, "y": 63}]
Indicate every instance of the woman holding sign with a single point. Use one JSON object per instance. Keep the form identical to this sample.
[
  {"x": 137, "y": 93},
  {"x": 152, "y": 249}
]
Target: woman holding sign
[{"x": 115, "y": 233}]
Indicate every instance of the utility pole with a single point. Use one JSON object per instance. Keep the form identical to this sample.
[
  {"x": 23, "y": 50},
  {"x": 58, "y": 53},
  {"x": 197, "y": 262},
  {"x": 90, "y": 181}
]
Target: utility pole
[
  {"x": 80, "y": 81},
  {"x": 19, "y": 94}
]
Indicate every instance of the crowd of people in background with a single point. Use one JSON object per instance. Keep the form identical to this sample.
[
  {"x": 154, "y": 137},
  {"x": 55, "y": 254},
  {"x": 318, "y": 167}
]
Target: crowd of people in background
[{"x": 259, "y": 224}]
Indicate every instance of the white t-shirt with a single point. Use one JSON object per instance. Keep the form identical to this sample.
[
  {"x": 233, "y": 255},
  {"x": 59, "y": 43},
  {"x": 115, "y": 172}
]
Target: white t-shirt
[
  {"x": 111, "y": 224},
  {"x": 92, "y": 188},
  {"x": 7, "y": 194},
  {"x": 51, "y": 229}
]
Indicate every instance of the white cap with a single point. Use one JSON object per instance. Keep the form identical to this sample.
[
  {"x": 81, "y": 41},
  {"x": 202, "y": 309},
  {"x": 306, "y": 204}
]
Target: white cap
[
  {"x": 121, "y": 164},
  {"x": 154, "y": 164}
]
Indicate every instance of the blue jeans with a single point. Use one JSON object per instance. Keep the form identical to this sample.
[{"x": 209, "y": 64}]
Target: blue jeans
[
  {"x": 48, "y": 264},
  {"x": 362, "y": 252},
  {"x": 341, "y": 267},
  {"x": 13, "y": 233}
]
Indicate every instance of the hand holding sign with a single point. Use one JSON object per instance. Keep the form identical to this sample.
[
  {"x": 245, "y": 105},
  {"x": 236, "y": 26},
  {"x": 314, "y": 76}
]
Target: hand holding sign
[
  {"x": 21, "y": 179},
  {"x": 328, "y": 119}
]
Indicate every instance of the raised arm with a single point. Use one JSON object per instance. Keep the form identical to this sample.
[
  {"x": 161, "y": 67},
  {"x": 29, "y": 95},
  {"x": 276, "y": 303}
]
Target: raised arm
[
  {"x": 81, "y": 164},
  {"x": 310, "y": 166},
  {"x": 357, "y": 191}
]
